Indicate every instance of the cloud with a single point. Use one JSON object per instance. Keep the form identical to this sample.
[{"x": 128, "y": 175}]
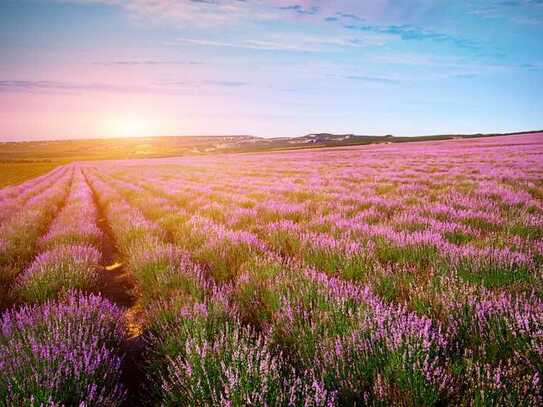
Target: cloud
[
  {"x": 464, "y": 76},
  {"x": 520, "y": 3},
  {"x": 57, "y": 86},
  {"x": 31, "y": 86},
  {"x": 344, "y": 16},
  {"x": 248, "y": 44},
  {"x": 373, "y": 79},
  {"x": 408, "y": 32},
  {"x": 209, "y": 82},
  {"x": 228, "y": 84},
  {"x": 535, "y": 21},
  {"x": 532, "y": 67},
  {"x": 523, "y": 12},
  {"x": 349, "y": 14},
  {"x": 194, "y": 12},
  {"x": 301, "y": 10},
  {"x": 213, "y": 12},
  {"x": 293, "y": 42},
  {"x": 370, "y": 17},
  {"x": 145, "y": 63}
]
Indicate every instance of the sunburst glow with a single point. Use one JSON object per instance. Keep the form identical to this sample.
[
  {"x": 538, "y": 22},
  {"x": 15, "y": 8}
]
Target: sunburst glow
[{"x": 128, "y": 126}]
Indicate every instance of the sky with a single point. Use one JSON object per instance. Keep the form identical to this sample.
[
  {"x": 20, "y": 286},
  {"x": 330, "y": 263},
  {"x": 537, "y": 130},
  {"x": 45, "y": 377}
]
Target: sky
[{"x": 268, "y": 68}]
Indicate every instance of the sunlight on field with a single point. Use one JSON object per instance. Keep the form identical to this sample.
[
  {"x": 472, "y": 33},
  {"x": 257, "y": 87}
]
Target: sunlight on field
[
  {"x": 15, "y": 173},
  {"x": 388, "y": 274}
]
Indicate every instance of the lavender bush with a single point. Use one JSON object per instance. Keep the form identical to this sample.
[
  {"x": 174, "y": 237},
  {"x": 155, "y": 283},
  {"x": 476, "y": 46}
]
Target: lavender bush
[
  {"x": 58, "y": 270},
  {"x": 375, "y": 275},
  {"x": 62, "y": 353}
]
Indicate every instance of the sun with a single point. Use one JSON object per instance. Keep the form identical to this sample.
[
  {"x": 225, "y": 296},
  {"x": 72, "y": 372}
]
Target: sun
[{"x": 128, "y": 126}]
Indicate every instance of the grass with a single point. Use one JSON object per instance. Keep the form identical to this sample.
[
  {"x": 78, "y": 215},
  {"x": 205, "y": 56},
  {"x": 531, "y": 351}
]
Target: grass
[{"x": 12, "y": 173}]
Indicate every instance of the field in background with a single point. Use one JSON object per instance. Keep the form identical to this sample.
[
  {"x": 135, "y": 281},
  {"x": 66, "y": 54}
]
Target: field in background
[
  {"x": 25, "y": 160},
  {"x": 376, "y": 275},
  {"x": 15, "y": 173}
]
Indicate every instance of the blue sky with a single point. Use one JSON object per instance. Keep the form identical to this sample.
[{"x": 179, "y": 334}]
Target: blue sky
[{"x": 99, "y": 68}]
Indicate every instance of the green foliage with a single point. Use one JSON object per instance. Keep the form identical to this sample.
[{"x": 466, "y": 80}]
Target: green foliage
[
  {"x": 457, "y": 238},
  {"x": 492, "y": 275},
  {"x": 254, "y": 295},
  {"x": 12, "y": 173},
  {"x": 386, "y": 288}
]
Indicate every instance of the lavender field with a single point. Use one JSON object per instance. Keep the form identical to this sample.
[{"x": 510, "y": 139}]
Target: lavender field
[{"x": 406, "y": 274}]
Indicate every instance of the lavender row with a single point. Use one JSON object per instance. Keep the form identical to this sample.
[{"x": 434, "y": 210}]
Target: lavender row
[
  {"x": 328, "y": 342},
  {"x": 69, "y": 257},
  {"x": 437, "y": 373},
  {"x": 12, "y": 198},
  {"x": 491, "y": 265},
  {"x": 68, "y": 349},
  {"x": 430, "y": 336},
  {"x": 62, "y": 353},
  {"x": 19, "y": 236},
  {"x": 162, "y": 270},
  {"x": 222, "y": 252}
]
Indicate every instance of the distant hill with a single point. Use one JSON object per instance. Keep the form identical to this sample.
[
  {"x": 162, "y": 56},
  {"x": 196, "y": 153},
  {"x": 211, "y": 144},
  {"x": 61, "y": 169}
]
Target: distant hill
[
  {"x": 154, "y": 147},
  {"x": 324, "y": 138},
  {"x": 330, "y": 139},
  {"x": 23, "y": 160}
]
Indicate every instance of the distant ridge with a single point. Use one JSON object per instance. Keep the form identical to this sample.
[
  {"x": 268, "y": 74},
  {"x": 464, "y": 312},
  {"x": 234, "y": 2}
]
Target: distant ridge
[
  {"x": 350, "y": 139},
  {"x": 170, "y": 146}
]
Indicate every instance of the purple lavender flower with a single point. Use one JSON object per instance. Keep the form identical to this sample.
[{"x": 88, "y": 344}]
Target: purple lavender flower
[
  {"x": 62, "y": 353},
  {"x": 59, "y": 270}
]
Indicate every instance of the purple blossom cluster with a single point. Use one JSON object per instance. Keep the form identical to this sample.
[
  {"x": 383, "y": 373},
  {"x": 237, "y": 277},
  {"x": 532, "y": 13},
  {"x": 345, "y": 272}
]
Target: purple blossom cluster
[
  {"x": 238, "y": 367},
  {"x": 164, "y": 272},
  {"x": 58, "y": 270},
  {"x": 20, "y": 232},
  {"x": 364, "y": 271},
  {"x": 62, "y": 353},
  {"x": 375, "y": 275},
  {"x": 69, "y": 258},
  {"x": 14, "y": 197},
  {"x": 76, "y": 223}
]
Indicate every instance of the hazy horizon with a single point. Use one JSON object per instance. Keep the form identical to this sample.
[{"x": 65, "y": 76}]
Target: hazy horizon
[
  {"x": 73, "y": 69},
  {"x": 83, "y": 138}
]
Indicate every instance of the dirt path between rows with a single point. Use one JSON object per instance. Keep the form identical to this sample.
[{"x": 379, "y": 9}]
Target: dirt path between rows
[{"x": 119, "y": 286}]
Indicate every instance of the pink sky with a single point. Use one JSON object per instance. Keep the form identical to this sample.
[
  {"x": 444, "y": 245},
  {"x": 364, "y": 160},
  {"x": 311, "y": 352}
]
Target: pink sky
[{"x": 102, "y": 68}]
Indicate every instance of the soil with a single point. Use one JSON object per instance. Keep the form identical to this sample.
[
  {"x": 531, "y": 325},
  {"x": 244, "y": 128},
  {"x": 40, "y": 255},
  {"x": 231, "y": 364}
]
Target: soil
[{"x": 119, "y": 286}]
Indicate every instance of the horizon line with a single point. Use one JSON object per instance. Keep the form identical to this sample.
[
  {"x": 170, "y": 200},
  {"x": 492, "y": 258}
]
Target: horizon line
[{"x": 497, "y": 133}]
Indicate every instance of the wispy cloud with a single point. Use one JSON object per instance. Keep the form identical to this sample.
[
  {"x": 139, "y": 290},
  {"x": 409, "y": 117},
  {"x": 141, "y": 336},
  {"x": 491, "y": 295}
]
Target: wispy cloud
[
  {"x": 165, "y": 85},
  {"x": 464, "y": 76},
  {"x": 408, "y": 32},
  {"x": 249, "y": 44},
  {"x": 350, "y": 15},
  {"x": 523, "y": 12},
  {"x": 213, "y": 12},
  {"x": 145, "y": 63},
  {"x": 32, "y": 86},
  {"x": 373, "y": 79},
  {"x": 58, "y": 86},
  {"x": 294, "y": 42},
  {"x": 195, "y": 12},
  {"x": 532, "y": 67},
  {"x": 228, "y": 84},
  {"x": 300, "y": 9},
  {"x": 344, "y": 16}
]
